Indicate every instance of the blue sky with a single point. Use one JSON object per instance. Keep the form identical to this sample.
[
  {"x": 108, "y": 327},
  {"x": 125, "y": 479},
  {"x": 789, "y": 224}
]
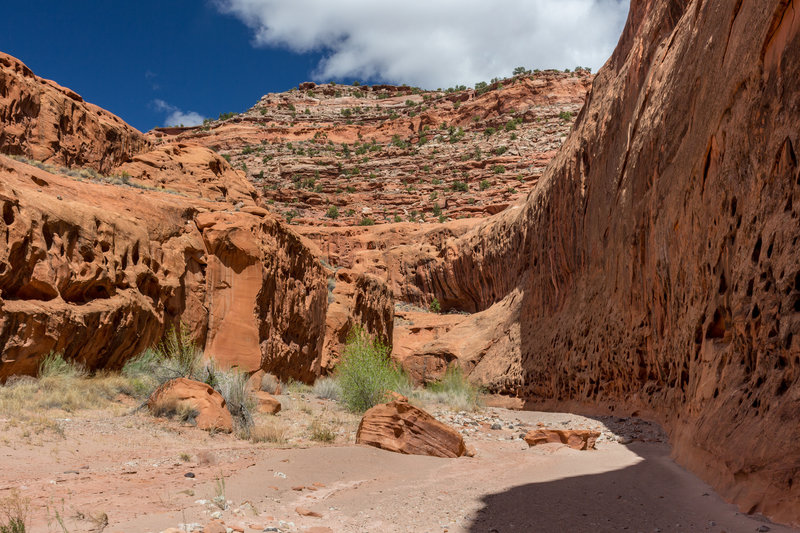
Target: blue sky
[{"x": 152, "y": 61}]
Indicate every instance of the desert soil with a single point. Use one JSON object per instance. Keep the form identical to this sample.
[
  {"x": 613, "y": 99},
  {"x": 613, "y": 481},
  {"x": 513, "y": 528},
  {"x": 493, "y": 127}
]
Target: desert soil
[{"x": 122, "y": 470}]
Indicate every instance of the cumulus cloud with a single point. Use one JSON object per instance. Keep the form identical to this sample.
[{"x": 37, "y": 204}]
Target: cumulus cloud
[
  {"x": 176, "y": 117},
  {"x": 436, "y": 43}
]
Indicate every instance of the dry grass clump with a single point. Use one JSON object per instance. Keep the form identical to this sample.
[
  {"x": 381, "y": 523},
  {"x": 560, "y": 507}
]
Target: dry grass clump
[
  {"x": 272, "y": 431},
  {"x": 270, "y": 384},
  {"x": 62, "y": 386},
  {"x": 321, "y": 431},
  {"x": 175, "y": 409},
  {"x": 453, "y": 390},
  {"x": 327, "y": 388},
  {"x": 13, "y": 513}
]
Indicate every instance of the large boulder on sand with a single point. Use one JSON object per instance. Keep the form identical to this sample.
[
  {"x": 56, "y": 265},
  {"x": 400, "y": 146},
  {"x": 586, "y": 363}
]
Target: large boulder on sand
[
  {"x": 400, "y": 427},
  {"x": 578, "y": 439},
  {"x": 212, "y": 413},
  {"x": 266, "y": 402}
]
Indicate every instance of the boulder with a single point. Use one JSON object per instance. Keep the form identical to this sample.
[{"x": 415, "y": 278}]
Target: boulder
[
  {"x": 400, "y": 427},
  {"x": 577, "y": 439},
  {"x": 212, "y": 412},
  {"x": 267, "y": 403}
]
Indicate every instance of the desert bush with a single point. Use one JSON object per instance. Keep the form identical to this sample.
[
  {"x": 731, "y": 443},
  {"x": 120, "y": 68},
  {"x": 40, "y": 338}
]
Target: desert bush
[
  {"x": 484, "y": 185},
  {"x": 435, "y": 306},
  {"x": 333, "y": 212},
  {"x": 328, "y": 388},
  {"x": 273, "y": 431},
  {"x": 460, "y": 186},
  {"x": 14, "y": 512},
  {"x": 454, "y": 390},
  {"x": 54, "y": 365},
  {"x": 365, "y": 373},
  {"x": 565, "y": 115},
  {"x": 270, "y": 384},
  {"x": 321, "y": 432}
]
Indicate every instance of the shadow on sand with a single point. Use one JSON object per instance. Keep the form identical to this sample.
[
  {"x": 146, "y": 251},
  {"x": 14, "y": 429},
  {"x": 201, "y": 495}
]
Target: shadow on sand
[{"x": 653, "y": 495}]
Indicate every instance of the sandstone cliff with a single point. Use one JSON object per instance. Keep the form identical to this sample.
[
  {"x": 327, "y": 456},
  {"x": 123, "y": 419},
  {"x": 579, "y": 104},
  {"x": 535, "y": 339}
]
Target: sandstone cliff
[
  {"x": 99, "y": 271},
  {"x": 47, "y": 122},
  {"x": 657, "y": 258},
  {"x": 99, "y": 267}
]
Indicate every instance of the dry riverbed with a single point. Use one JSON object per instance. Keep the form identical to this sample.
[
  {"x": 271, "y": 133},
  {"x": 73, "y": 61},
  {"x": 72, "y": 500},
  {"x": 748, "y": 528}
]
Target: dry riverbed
[{"x": 122, "y": 470}]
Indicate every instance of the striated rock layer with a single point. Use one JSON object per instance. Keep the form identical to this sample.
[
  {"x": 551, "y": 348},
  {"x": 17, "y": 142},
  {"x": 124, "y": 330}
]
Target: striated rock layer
[
  {"x": 657, "y": 257},
  {"x": 400, "y": 427}
]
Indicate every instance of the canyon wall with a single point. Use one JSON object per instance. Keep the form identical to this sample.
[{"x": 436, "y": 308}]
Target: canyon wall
[
  {"x": 99, "y": 265},
  {"x": 657, "y": 257},
  {"x": 47, "y": 122},
  {"x": 99, "y": 272}
]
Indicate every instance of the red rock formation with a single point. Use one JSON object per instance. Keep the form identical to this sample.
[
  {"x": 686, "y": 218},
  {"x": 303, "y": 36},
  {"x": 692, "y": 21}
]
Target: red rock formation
[
  {"x": 577, "y": 439},
  {"x": 266, "y": 403},
  {"x": 212, "y": 414},
  {"x": 47, "y": 122},
  {"x": 656, "y": 258},
  {"x": 355, "y": 299},
  {"x": 400, "y": 427},
  {"x": 191, "y": 170},
  {"x": 99, "y": 271},
  {"x": 99, "y": 267}
]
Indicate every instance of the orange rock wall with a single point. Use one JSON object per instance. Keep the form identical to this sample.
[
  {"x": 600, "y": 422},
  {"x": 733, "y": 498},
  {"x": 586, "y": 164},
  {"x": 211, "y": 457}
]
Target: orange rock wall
[
  {"x": 657, "y": 258},
  {"x": 44, "y": 121},
  {"x": 99, "y": 271}
]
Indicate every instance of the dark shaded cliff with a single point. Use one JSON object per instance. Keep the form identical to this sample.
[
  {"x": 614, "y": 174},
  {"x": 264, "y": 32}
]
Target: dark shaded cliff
[{"x": 658, "y": 258}]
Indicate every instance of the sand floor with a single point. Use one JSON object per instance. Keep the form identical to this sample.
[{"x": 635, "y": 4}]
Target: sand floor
[{"x": 125, "y": 471}]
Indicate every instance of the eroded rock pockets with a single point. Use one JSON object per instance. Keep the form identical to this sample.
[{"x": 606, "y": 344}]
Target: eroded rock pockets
[
  {"x": 100, "y": 271},
  {"x": 47, "y": 122},
  {"x": 657, "y": 257}
]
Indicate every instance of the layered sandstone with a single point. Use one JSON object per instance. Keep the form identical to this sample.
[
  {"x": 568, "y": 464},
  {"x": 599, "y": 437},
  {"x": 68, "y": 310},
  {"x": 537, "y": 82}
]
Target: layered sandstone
[
  {"x": 338, "y": 155},
  {"x": 400, "y": 427},
  {"x": 100, "y": 271}
]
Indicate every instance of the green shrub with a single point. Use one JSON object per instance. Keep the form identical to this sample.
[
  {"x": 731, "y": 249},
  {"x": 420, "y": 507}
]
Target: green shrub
[
  {"x": 54, "y": 365},
  {"x": 484, "y": 185},
  {"x": 435, "y": 306},
  {"x": 365, "y": 373},
  {"x": 460, "y": 186},
  {"x": 333, "y": 212},
  {"x": 366, "y": 221},
  {"x": 565, "y": 115},
  {"x": 498, "y": 169},
  {"x": 455, "y": 390}
]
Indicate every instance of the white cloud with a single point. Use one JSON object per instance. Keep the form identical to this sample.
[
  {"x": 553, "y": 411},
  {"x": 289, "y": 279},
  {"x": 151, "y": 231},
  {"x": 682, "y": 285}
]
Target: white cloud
[
  {"x": 436, "y": 43},
  {"x": 176, "y": 117}
]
